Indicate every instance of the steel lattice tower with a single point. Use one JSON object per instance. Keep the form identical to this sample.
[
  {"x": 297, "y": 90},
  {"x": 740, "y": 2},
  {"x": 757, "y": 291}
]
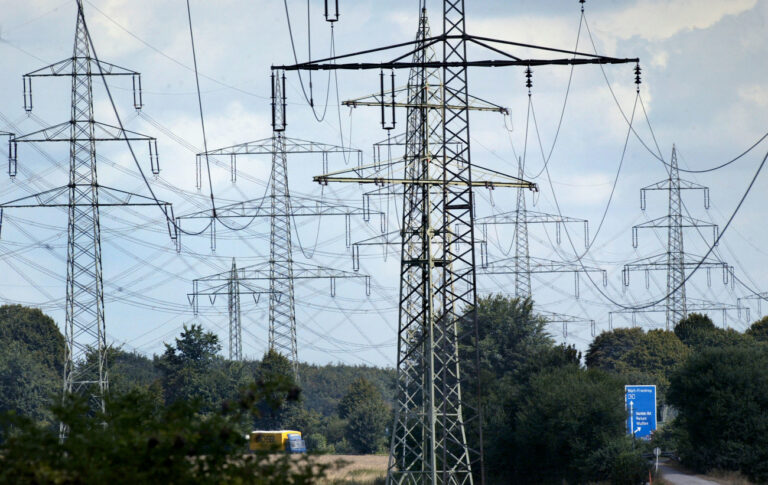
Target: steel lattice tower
[
  {"x": 282, "y": 207},
  {"x": 675, "y": 252},
  {"x": 522, "y": 253},
  {"x": 84, "y": 327},
  {"x": 438, "y": 277},
  {"x": 282, "y": 317},
  {"x": 235, "y": 325},
  {"x": 676, "y": 260}
]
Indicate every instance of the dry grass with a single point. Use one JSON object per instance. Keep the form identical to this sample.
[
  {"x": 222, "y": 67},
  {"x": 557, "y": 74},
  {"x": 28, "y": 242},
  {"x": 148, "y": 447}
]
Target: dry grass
[
  {"x": 355, "y": 469},
  {"x": 728, "y": 477}
]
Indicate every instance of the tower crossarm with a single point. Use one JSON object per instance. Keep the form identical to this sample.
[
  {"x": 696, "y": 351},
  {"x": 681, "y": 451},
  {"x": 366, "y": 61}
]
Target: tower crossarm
[
  {"x": 667, "y": 185},
  {"x": 300, "y": 207},
  {"x": 101, "y": 132},
  {"x": 379, "y": 174},
  {"x": 531, "y": 217},
  {"x": 539, "y": 265},
  {"x": 265, "y": 146},
  {"x": 401, "y": 100},
  {"x": 74, "y": 66},
  {"x": 108, "y": 197},
  {"x": 668, "y": 221},
  {"x": 660, "y": 262},
  {"x": 503, "y": 58},
  {"x": 553, "y": 317},
  {"x": 692, "y": 305}
]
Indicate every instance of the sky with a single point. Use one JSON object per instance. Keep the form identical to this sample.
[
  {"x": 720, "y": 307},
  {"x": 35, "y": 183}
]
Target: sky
[{"x": 703, "y": 89}]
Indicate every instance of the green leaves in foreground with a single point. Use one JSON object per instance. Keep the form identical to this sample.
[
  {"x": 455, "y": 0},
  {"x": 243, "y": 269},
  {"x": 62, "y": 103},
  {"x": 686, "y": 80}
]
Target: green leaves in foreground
[{"x": 138, "y": 440}]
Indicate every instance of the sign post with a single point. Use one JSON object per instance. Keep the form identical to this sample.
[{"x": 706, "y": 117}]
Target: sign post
[{"x": 640, "y": 402}]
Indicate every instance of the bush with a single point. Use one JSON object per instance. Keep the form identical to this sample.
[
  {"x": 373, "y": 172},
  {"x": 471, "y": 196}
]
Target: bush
[
  {"x": 138, "y": 440},
  {"x": 619, "y": 461},
  {"x": 722, "y": 396}
]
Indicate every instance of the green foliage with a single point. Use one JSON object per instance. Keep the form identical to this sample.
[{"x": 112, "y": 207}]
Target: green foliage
[
  {"x": 607, "y": 349},
  {"x": 759, "y": 330},
  {"x": 30, "y": 361},
  {"x": 27, "y": 386},
  {"x": 619, "y": 461},
  {"x": 36, "y": 332},
  {"x": 722, "y": 396},
  {"x": 323, "y": 386},
  {"x": 699, "y": 332},
  {"x": 640, "y": 357},
  {"x": 191, "y": 369},
  {"x": 692, "y": 326},
  {"x": 367, "y": 416},
  {"x": 567, "y": 414},
  {"x": 509, "y": 331},
  {"x": 275, "y": 366},
  {"x": 138, "y": 440}
]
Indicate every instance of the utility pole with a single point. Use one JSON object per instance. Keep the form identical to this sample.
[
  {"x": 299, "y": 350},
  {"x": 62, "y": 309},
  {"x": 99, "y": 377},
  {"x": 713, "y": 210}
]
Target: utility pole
[
  {"x": 438, "y": 272},
  {"x": 83, "y": 196}
]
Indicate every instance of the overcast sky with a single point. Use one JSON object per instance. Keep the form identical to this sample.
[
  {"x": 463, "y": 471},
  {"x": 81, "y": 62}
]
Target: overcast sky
[{"x": 703, "y": 89}]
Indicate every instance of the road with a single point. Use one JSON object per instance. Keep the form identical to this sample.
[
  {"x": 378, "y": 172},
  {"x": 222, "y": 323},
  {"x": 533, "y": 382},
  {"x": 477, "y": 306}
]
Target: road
[{"x": 678, "y": 477}]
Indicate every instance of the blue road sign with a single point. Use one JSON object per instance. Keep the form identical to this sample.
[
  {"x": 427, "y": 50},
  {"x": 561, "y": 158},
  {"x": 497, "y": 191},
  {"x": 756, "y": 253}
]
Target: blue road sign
[{"x": 641, "y": 407}]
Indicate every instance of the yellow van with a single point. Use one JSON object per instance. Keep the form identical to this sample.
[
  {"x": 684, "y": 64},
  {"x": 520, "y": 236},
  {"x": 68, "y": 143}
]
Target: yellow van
[{"x": 289, "y": 441}]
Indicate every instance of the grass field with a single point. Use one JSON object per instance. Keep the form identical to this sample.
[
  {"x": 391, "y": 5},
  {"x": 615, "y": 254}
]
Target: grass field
[{"x": 356, "y": 469}]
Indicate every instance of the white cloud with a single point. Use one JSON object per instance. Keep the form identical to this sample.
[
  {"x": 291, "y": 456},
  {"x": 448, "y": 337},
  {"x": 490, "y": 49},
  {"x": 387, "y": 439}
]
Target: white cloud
[
  {"x": 656, "y": 20},
  {"x": 755, "y": 94}
]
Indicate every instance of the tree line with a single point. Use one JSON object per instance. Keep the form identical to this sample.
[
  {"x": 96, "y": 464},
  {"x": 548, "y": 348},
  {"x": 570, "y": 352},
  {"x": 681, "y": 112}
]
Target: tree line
[{"x": 550, "y": 415}]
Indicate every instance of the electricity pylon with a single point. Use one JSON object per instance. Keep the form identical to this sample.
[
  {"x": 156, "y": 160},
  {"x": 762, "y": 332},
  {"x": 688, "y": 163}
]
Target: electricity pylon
[
  {"x": 522, "y": 264},
  {"x": 83, "y": 196},
  {"x": 280, "y": 207},
  {"x": 438, "y": 280},
  {"x": 231, "y": 285},
  {"x": 675, "y": 260}
]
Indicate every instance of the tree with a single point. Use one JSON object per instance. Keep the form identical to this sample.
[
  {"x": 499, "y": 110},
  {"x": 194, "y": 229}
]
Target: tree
[
  {"x": 27, "y": 386},
  {"x": 759, "y": 330},
  {"x": 138, "y": 440},
  {"x": 191, "y": 368},
  {"x": 367, "y": 416},
  {"x": 691, "y": 327},
  {"x": 607, "y": 349},
  {"x": 567, "y": 415},
  {"x": 509, "y": 332},
  {"x": 722, "y": 397},
  {"x": 274, "y": 366},
  {"x": 36, "y": 332},
  {"x": 31, "y": 361}
]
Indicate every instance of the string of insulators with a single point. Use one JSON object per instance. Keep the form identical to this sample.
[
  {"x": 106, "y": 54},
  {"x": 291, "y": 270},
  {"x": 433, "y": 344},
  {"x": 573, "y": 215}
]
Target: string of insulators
[
  {"x": 528, "y": 79},
  {"x": 335, "y": 16},
  {"x": 393, "y": 122},
  {"x": 281, "y": 123},
  {"x": 637, "y": 76}
]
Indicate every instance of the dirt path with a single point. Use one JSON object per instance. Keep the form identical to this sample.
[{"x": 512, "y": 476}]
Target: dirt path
[{"x": 679, "y": 477}]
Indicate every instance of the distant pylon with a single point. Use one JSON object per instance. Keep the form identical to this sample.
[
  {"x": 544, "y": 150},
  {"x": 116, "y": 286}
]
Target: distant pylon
[
  {"x": 235, "y": 326},
  {"x": 675, "y": 260},
  {"x": 280, "y": 207},
  {"x": 676, "y": 309},
  {"x": 522, "y": 254}
]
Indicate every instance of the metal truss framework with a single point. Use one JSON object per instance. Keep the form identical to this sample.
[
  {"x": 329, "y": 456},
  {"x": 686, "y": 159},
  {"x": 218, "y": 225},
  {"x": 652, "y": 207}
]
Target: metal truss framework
[
  {"x": 280, "y": 207},
  {"x": 438, "y": 280},
  {"x": 233, "y": 287},
  {"x": 239, "y": 281},
  {"x": 675, "y": 260},
  {"x": 522, "y": 265},
  {"x": 85, "y": 327},
  {"x": 759, "y": 297},
  {"x": 693, "y": 305}
]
